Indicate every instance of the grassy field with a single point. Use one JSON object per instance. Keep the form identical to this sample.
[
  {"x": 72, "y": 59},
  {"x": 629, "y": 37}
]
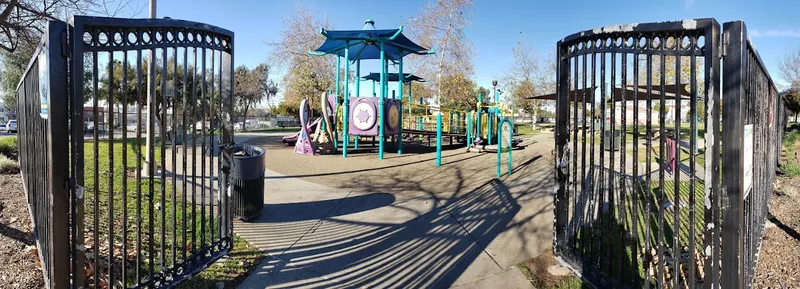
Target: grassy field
[
  {"x": 276, "y": 129},
  {"x": 527, "y": 130},
  {"x": 159, "y": 217}
]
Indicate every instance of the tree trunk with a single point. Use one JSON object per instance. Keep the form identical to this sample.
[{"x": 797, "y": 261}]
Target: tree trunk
[
  {"x": 795, "y": 117},
  {"x": 533, "y": 119},
  {"x": 244, "y": 122}
]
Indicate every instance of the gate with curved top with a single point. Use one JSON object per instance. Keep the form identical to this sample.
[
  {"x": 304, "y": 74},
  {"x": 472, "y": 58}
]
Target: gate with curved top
[
  {"x": 126, "y": 145},
  {"x": 663, "y": 183}
]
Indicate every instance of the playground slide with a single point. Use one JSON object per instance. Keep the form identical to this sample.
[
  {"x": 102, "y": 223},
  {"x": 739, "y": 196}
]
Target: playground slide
[{"x": 291, "y": 139}]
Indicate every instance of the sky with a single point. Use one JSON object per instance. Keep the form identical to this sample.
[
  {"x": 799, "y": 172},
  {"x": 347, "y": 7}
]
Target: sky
[{"x": 497, "y": 25}]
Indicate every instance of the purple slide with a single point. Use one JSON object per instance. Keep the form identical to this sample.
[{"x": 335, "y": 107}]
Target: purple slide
[{"x": 292, "y": 139}]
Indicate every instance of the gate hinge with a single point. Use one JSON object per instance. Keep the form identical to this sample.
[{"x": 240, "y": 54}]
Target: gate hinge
[
  {"x": 724, "y": 45},
  {"x": 64, "y": 45}
]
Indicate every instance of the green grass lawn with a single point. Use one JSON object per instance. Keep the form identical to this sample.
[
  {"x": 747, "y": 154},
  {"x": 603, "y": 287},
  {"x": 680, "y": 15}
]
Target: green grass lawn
[
  {"x": 527, "y": 130},
  {"x": 171, "y": 212}
]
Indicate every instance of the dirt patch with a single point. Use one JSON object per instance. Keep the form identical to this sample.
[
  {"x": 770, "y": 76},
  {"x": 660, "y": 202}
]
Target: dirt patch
[
  {"x": 18, "y": 257},
  {"x": 779, "y": 260},
  {"x": 540, "y": 271}
]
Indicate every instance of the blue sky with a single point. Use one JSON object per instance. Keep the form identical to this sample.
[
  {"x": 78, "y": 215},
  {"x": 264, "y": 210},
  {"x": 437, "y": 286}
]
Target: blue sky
[{"x": 497, "y": 25}]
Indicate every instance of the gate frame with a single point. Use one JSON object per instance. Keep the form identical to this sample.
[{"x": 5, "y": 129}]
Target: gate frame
[{"x": 711, "y": 33}]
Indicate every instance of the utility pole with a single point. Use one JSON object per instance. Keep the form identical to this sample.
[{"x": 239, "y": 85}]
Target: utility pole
[{"x": 151, "y": 103}]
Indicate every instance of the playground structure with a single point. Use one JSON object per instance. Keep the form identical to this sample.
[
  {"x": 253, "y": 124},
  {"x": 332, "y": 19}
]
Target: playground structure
[{"x": 393, "y": 119}]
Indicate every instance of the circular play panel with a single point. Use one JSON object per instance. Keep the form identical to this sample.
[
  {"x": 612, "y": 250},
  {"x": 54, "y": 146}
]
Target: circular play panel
[{"x": 364, "y": 116}]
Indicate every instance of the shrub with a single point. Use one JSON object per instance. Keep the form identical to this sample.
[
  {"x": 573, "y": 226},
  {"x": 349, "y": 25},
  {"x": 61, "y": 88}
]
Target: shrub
[
  {"x": 8, "y": 166},
  {"x": 791, "y": 169},
  {"x": 8, "y": 147}
]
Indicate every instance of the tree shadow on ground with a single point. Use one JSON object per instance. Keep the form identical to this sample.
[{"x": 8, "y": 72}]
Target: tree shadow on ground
[{"x": 405, "y": 233}]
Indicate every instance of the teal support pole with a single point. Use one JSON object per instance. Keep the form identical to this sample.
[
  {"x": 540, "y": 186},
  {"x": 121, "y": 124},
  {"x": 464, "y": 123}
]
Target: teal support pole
[
  {"x": 499, "y": 151},
  {"x": 419, "y": 120},
  {"x": 469, "y": 130},
  {"x": 345, "y": 136},
  {"x": 380, "y": 105},
  {"x": 338, "y": 71},
  {"x": 478, "y": 118},
  {"x": 400, "y": 111},
  {"x": 489, "y": 127},
  {"x": 510, "y": 139},
  {"x": 439, "y": 140},
  {"x": 358, "y": 91}
]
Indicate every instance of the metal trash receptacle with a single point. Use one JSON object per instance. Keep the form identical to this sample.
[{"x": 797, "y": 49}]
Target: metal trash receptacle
[
  {"x": 247, "y": 181},
  {"x": 611, "y": 140}
]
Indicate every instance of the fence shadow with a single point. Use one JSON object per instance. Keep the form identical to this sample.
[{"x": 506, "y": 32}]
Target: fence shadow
[{"x": 346, "y": 248}]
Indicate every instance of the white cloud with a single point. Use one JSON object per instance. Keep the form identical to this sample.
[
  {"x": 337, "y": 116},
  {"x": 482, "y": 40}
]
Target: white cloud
[{"x": 780, "y": 33}]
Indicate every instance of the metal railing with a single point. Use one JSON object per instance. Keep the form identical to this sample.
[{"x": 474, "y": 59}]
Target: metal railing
[
  {"x": 677, "y": 202},
  {"x": 43, "y": 152}
]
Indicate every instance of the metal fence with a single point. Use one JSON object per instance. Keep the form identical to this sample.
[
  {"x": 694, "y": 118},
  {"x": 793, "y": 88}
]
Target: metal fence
[
  {"x": 752, "y": 121},
  {"x": 43, "y": 151},
  {"x": 108, "y": 210},
  {"x": 639, "y": 201}
]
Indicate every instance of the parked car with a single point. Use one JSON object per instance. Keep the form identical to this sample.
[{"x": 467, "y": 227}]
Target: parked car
[{"x": 11, "y": 126}]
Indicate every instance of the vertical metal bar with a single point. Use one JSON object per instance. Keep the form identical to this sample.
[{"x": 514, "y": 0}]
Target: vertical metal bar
[
  {"x": 184, "y": 190},
  {"x": 635, "y": 194},
  {"x": 173, "y": 104},
  {"x": 227, "y": 136},
  {"x": 162, "y": 131},
  {"x": 139, "y": 165},
  {"x": 203, "y": 103},
  {"x": 733, "y": 121},
  {"x": 401, "y": 78},
  {"x": 380, "y": 104},
  {"x": 574, "y": 153},
  {"x": 649, "y": 170},
  {"x": 211, "y": 149},
  {"x": 584, "y": 199},
  {"x": 124, "y": 98},
  {"x": 110, "y": 100},
  {"x": 561, "y": 140},
  {"x": 623, "y": 152},
  {"x": 603, "y": 244},
  {"x": 592, "y": 208},
  {"x": 676, "y": 236},
  {"x": 612, "y": 220},
  {"x": 222, "y": 211},
  {"x": 151, "y": 163},
  {"x": 692, "y": 156},
  {"x": 96, "y": 183},
  {"x": 439, "y": 139},
  {"x": 194, "y": 151},
  {"x": 663, "y": 167},
  {"x": 78, "y": 162}
]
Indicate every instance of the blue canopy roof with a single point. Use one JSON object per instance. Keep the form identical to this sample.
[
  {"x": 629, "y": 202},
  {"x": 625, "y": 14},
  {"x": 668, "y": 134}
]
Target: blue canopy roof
[
  {"x": 364, "y": 43},
  {"x": 394, "y": 77}
]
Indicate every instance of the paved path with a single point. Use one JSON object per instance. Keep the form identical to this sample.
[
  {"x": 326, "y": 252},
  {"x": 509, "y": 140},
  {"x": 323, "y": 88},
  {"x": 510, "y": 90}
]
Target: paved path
[{"x": 324, "y": 237}]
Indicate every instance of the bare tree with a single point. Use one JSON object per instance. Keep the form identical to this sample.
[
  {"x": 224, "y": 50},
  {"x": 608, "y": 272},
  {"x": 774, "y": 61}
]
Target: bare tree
[
  {"x": 530, "y": 75},
  {"x": 306, "y": 76},
  {"x": 789, "y": 66},
  {"x": 442, "y": 25},
  {"x": 22, "y": 21}
]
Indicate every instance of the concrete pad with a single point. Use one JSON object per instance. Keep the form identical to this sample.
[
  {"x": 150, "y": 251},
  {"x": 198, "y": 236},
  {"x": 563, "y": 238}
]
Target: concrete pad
[
  {"x": 392, "y": 246},
  {"x": 510, "y": 278}
]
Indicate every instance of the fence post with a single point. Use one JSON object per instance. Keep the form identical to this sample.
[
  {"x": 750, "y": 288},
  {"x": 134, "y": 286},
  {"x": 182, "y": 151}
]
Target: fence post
[
  {"x": 733, "y": 121},
  {"x": 561, "y": 139}
]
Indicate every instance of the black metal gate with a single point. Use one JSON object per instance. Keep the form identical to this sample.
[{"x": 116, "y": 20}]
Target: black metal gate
[
  {"x": 640, "y": 197},
  {"x": 109, "y": 211}
]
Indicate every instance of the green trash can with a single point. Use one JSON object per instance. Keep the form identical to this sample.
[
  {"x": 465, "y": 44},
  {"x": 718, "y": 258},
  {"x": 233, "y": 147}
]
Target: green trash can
[{"x": 247, "y": 181}]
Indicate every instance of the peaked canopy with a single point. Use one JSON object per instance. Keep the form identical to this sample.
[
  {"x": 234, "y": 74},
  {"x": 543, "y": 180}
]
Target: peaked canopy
[
  {"x": 394, "y": 77},
  {"x": 365, "y": 43}
]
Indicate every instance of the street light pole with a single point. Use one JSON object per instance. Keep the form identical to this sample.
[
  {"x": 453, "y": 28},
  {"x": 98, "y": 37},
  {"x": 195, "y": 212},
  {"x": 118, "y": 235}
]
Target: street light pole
[{"x": 151, "y": 102}]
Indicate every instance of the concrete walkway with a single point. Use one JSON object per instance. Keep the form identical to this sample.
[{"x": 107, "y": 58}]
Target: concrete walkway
[{"x": 324, "y": 237}]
